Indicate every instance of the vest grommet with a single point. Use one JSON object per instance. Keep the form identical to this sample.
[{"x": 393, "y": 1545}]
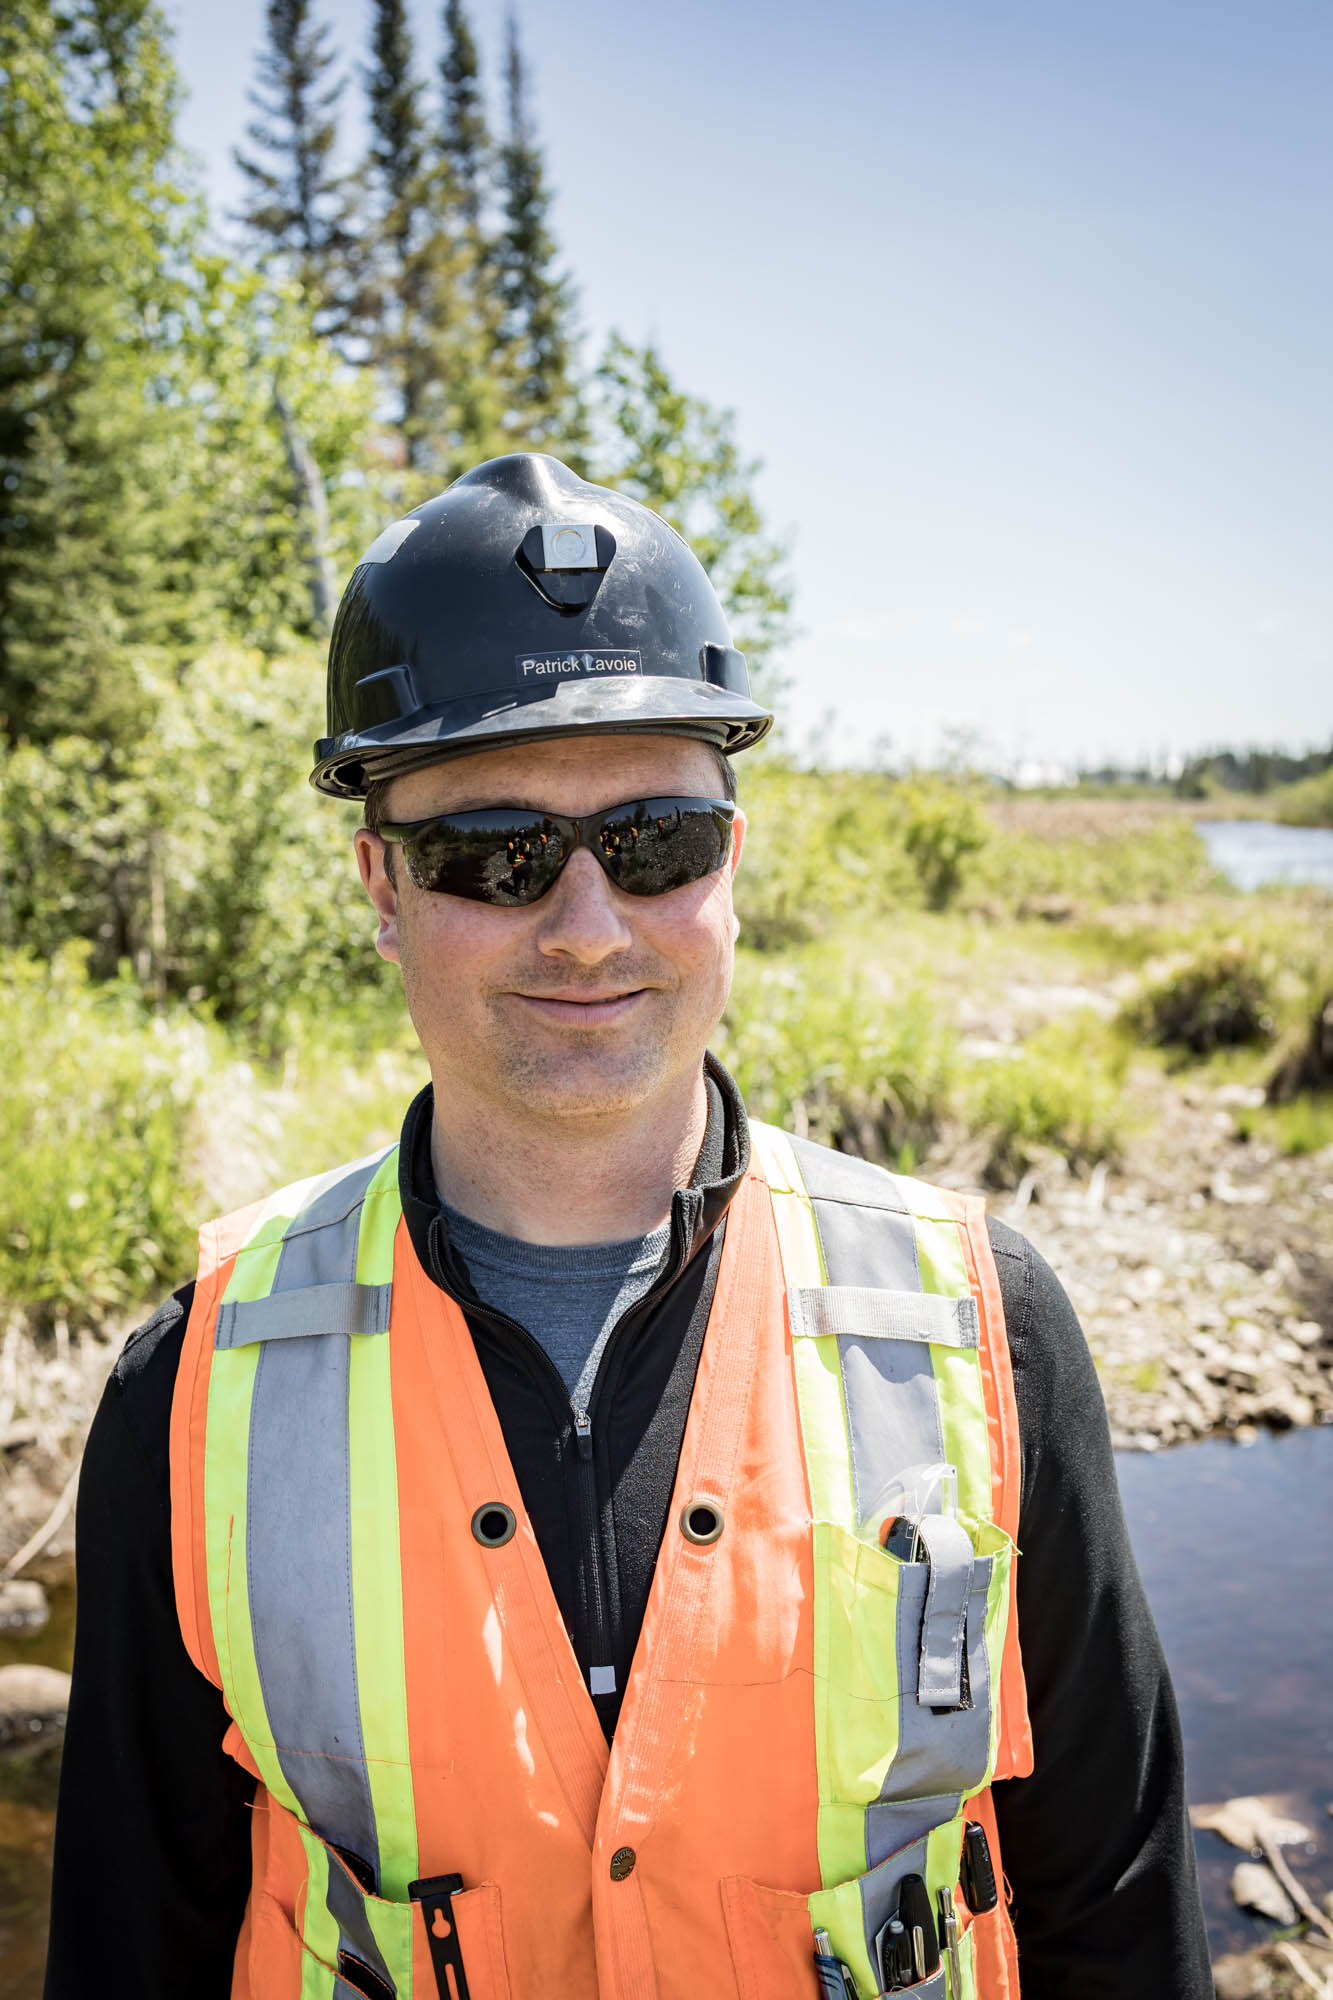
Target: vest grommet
[
  {"x": 494, "y": 1524},
  {"x": 622, "y": 1863},
  {"x": 700, "y": 1522}
]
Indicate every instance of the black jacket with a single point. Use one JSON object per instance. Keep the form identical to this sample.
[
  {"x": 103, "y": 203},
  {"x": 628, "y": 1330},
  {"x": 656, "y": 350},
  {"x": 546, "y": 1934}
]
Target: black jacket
[{"x": 152, "y": 1858}]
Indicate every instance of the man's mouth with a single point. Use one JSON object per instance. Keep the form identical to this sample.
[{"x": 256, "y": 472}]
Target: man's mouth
[{"x": 583, "y": 1010}]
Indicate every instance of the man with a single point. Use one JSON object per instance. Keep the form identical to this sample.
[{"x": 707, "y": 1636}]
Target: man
[{"x": 573, "y": 1553}]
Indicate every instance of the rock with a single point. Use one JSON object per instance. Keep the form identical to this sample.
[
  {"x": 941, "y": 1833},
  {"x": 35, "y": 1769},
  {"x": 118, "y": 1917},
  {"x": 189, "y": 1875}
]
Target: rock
[
  {"x": 1254, "y": 1886},
  {"x": 18, "y": 1436},
  {"x": 1247, "y": 1821},
  {"x": 1243, "y": 1977},
  {"x": 1305, "y": 1332},
  {"x": 23, "y": 1606},
  {"x": 33, "y": 1704},
  {"x": 1285, "y": 1409}
]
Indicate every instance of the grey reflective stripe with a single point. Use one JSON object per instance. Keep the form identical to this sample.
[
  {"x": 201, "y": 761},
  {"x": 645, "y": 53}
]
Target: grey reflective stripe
[
  {"x": 944, "y": 1621},
  {"x": 345, "y": 1308},
  {"x": 879, "y": 1891},
  {"x": 885, "y": 1315},
  {"x": 320, "y": 1246},
  {"x": 893, "y": 1823},
  {"x": 298, "y": 1531},
  {"x": 830, "y": 1176},
  {"x": 945, "y": 1753},
  {"x": 893, "y": 1412},
  {"x": 298, "y": 1543},
  {"x": 347, "y": 1906}
]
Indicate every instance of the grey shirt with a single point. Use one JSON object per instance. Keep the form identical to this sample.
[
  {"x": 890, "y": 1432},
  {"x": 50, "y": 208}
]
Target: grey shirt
[{"x": 569, "y": 1298}]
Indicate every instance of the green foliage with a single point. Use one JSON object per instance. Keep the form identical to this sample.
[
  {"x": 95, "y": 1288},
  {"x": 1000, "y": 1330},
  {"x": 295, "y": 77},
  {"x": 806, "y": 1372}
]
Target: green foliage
[
  {"x": 1060, "y": 1092},
  {"x": 942, "y": 827},
  {"x": 1105, "y": 859},
  {"x": 200, "y": 857},
  {"x": 679, "y": 455},
  {"x": 97, "y": 1207},
  {"x": 1221, "y": 996},
  {"x": 1309, "y": 803},
  {"x": 822, "y": 847},
  {"x": 815, "y": 1049}
]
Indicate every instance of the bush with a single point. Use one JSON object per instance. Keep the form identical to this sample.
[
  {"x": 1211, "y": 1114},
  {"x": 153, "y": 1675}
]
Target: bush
[
  {"x": 824, "y": 1056},
  {"x": 1221, "y": 996},
  {"x": 1061, "y": 1092},
  {"x": 942, "y": 827},
  {"x": 97, "y": 1203},
  {"x": 200, "y": 857},
  {"x": 821, "y": 847}
]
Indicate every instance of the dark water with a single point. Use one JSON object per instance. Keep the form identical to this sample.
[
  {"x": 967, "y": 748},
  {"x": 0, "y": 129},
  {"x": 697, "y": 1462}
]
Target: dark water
[
  {"x": 1254, "y": 852},
  {"x": 27, "y": 1816},
  {"x": 1234, "y": 1545}
]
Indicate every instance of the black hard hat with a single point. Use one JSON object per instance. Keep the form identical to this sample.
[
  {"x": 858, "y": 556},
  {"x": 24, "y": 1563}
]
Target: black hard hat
[{"x": 522, "y": 603}]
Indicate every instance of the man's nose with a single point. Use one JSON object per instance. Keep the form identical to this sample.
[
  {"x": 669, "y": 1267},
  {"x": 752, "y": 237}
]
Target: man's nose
[{"x": 580, "y": 914}]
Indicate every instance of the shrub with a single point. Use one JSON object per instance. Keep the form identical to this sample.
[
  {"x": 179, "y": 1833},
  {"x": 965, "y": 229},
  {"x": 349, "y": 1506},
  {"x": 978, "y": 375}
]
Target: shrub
[
  {"x": 1218, "y": 997},
  {"x": 821, "y": 847},
  {"x": 942, "y": 827},
  {"x": 820, "y": 1055},
  {"x": 1060, "y": 1092},
  {"x": 97, "y": 1206}
]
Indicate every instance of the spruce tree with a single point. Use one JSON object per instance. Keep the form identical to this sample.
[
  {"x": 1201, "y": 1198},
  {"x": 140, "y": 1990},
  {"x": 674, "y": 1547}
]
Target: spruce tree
[
  {"x": 298, "y": 203},
  {"x": 466, "y": 140},
  {"x": 544, "y": 406}
]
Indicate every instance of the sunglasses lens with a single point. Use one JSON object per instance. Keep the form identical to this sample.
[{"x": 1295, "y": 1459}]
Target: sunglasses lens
[
  {"x": 661, "y": 844},
  {"x": 489, "y": 857}
]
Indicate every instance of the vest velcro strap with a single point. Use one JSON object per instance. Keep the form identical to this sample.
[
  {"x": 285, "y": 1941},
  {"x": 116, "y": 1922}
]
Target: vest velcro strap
[
  {"x": 944, "y": 1622},
  {"x": 882, "y": 1315},
  {"x": 310, "y": 1309}
]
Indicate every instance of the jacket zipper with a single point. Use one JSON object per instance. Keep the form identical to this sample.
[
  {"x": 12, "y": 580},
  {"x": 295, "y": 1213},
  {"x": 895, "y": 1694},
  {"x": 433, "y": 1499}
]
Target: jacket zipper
[{"x": 601, "y": 1643}]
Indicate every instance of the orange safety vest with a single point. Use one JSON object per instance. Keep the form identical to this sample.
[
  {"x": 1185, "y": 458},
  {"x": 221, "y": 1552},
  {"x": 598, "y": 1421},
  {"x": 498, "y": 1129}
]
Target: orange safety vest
[{"x": 807, "y": 1719}]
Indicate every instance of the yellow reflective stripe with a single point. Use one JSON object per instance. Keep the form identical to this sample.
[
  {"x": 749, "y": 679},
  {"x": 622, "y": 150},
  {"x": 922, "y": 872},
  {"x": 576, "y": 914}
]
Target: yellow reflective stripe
[
  {"x": 958, "y": 1381},
  {"x": 377, "y": 1572},
  {"x": 962, "y": 1403},
  {"x": 226, "y": 1468},
  {"x": 319, "y": 1927},
  {"x": 992, "y": 1541},
  {"x": 257, "y": 1261},
  {"x": 818, "y": 1370},
  {"x": 381, "y": 1211}
]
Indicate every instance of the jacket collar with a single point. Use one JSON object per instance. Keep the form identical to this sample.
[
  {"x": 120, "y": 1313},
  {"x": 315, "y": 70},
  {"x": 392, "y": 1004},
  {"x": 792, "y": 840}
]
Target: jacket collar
[{"x": 696, "y": 1210}]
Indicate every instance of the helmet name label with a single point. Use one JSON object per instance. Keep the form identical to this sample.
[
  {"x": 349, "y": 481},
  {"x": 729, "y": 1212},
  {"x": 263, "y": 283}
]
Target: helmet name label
[{"x": 560, "y": 666}]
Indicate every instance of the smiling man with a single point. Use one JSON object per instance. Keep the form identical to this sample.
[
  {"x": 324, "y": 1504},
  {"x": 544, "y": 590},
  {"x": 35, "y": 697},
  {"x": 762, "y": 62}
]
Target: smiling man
[{"x": 575, "y": 1552}]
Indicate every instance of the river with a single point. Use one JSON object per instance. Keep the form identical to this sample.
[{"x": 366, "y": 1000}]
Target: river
[
  {"x": 1254, "y": 853},
  {"x": 1233, "y": 1544}
]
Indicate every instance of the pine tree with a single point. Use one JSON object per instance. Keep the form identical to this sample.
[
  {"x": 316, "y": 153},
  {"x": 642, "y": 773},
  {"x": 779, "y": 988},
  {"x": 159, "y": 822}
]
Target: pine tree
[
  {"x": 466, "y": 140},
  {"x": 538, "y": 333},
  {"x": 298, "y": 202}
]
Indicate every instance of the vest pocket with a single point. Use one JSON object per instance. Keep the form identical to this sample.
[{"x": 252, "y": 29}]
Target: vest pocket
[
  {"x": 855, "y": 1912},
  {"x": 772, "y": 1940},
  {"x": 887, "y": 1744}
]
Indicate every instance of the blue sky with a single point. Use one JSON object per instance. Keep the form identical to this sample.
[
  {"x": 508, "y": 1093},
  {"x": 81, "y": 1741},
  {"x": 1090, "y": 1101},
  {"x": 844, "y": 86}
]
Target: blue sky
[{"x": 1026, "y": 309}]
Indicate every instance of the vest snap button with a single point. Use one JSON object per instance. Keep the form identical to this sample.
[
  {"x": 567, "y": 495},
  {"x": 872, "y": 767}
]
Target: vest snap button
[
  {"x": 700, "y": 1522},
  {"x": 622, "y": 1863}
]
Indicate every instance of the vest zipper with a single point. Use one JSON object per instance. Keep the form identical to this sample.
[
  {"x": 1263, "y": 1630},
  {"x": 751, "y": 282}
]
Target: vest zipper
[{"x": 600, "y": 1650}]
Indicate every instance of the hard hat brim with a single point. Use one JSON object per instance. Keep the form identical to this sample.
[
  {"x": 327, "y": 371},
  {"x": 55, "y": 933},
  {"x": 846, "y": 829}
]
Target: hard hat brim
[{"x": 657, "y": 704}]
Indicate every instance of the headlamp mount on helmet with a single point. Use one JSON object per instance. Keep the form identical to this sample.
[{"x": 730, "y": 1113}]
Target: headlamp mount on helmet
[{"x": 521, "y": 603}]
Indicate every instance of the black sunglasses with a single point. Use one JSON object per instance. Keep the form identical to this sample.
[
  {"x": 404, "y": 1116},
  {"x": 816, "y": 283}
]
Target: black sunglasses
[{"x": 512, "y": 855}]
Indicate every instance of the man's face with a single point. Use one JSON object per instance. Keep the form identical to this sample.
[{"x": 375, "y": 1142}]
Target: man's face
[{"x": 588, "y": 1003}]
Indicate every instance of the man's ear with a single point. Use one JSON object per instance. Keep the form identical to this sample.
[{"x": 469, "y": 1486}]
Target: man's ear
[{"x": 372, "y": 858}]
